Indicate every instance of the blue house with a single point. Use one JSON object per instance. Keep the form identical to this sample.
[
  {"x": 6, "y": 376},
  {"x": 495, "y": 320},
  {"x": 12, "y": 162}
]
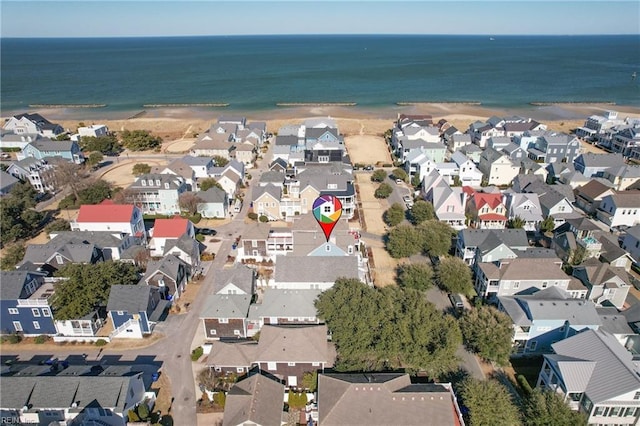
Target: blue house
[
  {"x": 134, "y": 309},
  {"x": 546, "y": 317},
  {"x": 24, "y": 305},
  {"x": 47, "y": 148}
]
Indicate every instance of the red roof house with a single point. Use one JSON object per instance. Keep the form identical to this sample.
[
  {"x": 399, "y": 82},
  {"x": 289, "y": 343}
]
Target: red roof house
[
  {"x": 169, "y": 229},
  {"x": 108, "y": 216},
  {"x": 487, "y": 210}
]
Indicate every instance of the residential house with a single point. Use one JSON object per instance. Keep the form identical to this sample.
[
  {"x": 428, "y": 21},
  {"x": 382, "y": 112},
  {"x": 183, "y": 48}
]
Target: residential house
[
  {"x": 606, "y": 283},
  {"x": 555, "y": 148},
  {"x": 61, "y": 251},
  {"x": 626, "y": 140},
  {"x": 286, "y": 352},
  {"x": 597, "y": 124},
  {"x": 170, "y": 274},
  {"x": 619, "y": 324},
  {"x": 308, "y": 239},
  {"x": 213, "y": 203},
  {"x": 378, "y": 399},
  {"x": 498, "y": 142},
  {"x": 589, "y": 196},
  {"x": 546, "y": 317},
  {"x": 517, "y": 276},
  {"x": 179, "y": 167},
  {"x": 230, "y": 177},
  {"x": 418, "y": 163},
  {"x": 255, "y": 400},
  {"x": 623, "y": 177},
  {"x": 314, "y": 272},
  {"x": 576, "y": 237},
  {"x": 596, "y": 376},
  {"x": 185, "y": 248},
  {"x": 112, "y": 245},
  {"x": 134, "y": 310},
  {"x": 156, "y": 193},
  {"x": 254, "y": 242},
  {"x": 490, "y": 245},
  {"x": 448, "y": 203},
  {"x": 165, "y": 230},
  {"x": 72, "y": 395},
  {"x": 200, "y": 165},
  {"x": 39, "y": 173},
  {"x": 497, "y": 168},
  {"x": 28, "y": 124},
  {"x": 486, "y": 210},
  {"x": 432, "y": 147},
  {"x": 24, "y": 304},
  {"x": 107, "y": 216},
  {"x": 620, "y": 209},
  {"x": 92, "y": 131},
  {"x": 213, "y": 144},
  {"x": 612, "y": 253},
  {"x": 481, "y": 132},
  {"x": 554, "y": 201},
  {"x": 468, "y": 173},
  {"x": 46, "y": 148},
  {"x": 283, "y": 307},
  {"x": 457, "y": 140},
  {"x": 225, "y": 316},
  {"x": 473, "y": 152},
  {"x": 239, "y": 279},
  {"x": 244, "y": 153},
  {"x": 594, "y": 165},
  {"x": 266, "y": 201},
  {"x": 12, "y": 140},
  {"x": 525, "y": 206},
  {"x": 631, "y": 242},
  {"x": 83, "y": 327},
  {"x": 7, "y": 182},
  {"x": 530, "y": 167},
  {"x": 515, "y": 152}
]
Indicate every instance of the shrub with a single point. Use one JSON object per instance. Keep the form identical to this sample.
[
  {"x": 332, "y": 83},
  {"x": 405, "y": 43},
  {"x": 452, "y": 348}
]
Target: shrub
[
  {"x": 143, "y": 411},
  {"x": 40, "y": 339},
  {"x": 383, "y": 191},
  {"x": 68, "y": 202},
  {"x": 200, "y": 237},
  {"x": 101, "y": 342},
  {"x": 252, "y": 216},
  {"x": 13, "y": 338},
  {"x": 263, "y": 219},
  {"x": 220, "y": 398},
  {"x": 196, "y": 353},
  {"x": 133, "y": 416},
  {"x": 207, "y": 256},
  {"x": 524, "y": 384}
]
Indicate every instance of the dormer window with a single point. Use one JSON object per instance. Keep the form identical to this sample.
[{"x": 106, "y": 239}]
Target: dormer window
[
  {"x": 150, "y": 182},
  {"x": 157, "y": 182},
  {"x": 166, "y": 185},
  {"x": 144, "y": 182}
]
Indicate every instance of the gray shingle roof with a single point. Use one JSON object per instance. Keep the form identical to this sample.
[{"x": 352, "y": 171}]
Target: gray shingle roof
[
  {"x": 212, "y": 195},
  {"x": 314, "y": 269},
  {"x": 226, "y": 306},
  {"x": 168, "y": 265},
  {"x": 256, "y": 400},
  {"x": 285, "y": 304},
  {"x": 614, "y": 373},
  {"x": 513, "y": 238},
  {"x": 12, "y": 284},
  {"x": 47, "y": 145},
  {"x": 295, "y": 344},
  {"x": 240, "y": 275},
  {"x": 129, "y": 298}
]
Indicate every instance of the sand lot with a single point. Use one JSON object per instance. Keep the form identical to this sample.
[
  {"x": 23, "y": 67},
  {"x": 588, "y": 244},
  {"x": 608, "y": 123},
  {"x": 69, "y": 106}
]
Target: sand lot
[
  {"x": 367, "y": 149},
  {"x": 121, "y": 174},
  {"x": 384, "y": 266}
]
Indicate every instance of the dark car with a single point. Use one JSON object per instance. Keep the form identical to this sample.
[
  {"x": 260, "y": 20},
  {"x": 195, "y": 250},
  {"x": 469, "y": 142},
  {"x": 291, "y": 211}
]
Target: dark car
[{"x": 206, "y": 231}]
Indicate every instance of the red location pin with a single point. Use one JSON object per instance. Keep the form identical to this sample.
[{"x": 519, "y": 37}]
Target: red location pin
[{"x": 327, "y": 209}]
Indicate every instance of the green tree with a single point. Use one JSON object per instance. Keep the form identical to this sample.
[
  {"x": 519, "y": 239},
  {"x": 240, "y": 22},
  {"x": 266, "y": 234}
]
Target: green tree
[
  {"x": 489, "y": 403},
  {"x": 95, "y": 192},
  {"x": 399, "y": 174},
  {"x": 416, "y": 181},
  {"x": 456, "y": 181},
  {"x": 63, "y": 137},
  {"x": 88, "y": 286},
  {"x": 387, "y": 329},
  {"x": 422, "y": 210},
  {"x": 141, "y": 169},
  {"x": 404, "y": 241},
  {"x": 577, "y": 256},
  {"x": 143, "y": 411},
  {"x": 543, "y": 408},
  {"x": 140, "y": 140},
  {"x": 487, "y": 332},
  {"x": 516, "y": 223},
  {"x": 548, "y": 224},
  {"x": 102, "y": 144},
  {"x": 383, "y": 191},
  {"x": 393, "y": 215},
  {"x": 18, "y": 220},
  {"x": 454, "y": 275},
  {"x": 58, "y": 225},
  {"x": 435, "y": 237},
  {"x": 95, "y": 158},
  {"x": 207, "y": 183},
  {"x": 310, "y": 380},
  {"x": 378, "y": 175},
  {"x": 220, "y": 161},
  {"x": 13, "y": 255},
  {"x": 418, "y": 276}
]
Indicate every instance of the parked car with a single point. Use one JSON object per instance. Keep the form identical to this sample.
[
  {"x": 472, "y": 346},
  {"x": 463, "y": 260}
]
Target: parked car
[
  {"x": 369, "y": 167},
  {"x": 206, "y": 231},
  {"x": 456, "y": 301},
  {"x": 399, "y": 181}
]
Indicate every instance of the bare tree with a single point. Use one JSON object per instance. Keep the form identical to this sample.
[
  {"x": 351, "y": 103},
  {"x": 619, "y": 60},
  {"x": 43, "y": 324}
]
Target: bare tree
[
  {"x": 188, "y": 201},
  {"x": 67, "y": 174}
]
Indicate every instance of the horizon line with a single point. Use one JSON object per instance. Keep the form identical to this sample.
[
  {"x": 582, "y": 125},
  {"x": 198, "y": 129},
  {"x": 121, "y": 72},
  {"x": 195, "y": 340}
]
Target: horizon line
[{"x": 327, "y": 35}]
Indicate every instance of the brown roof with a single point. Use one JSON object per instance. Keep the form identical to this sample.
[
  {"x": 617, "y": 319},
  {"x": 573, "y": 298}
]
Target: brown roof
[
  {"x": 592, "y": 189},
  {"x": 256, "y": 231},
  {"x": 382, "y": 399},
  {"x": 626, "y": 199},
  {"x": 257, "y": 399},
  {"x": 525, "y": 269},
  {"x": 295, "y": 344},
  {"x": 232, "y": 354}
]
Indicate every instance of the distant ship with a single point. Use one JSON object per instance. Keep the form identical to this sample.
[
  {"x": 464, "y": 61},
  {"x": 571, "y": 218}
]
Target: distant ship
[
  {"x": 634, "y": 75},
  {"x": 491, "y": 39}
]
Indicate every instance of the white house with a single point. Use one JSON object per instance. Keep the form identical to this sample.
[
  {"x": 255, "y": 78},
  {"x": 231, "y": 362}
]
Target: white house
[
  {"x": 94, "y": 131},
  {"x": 631, "y": 242},
  {"x": 107, "y": 216},
  {"x": 620, "y": 209},
  {"x": 468, "y": 173},
  {"x": 497, "y": 168}
]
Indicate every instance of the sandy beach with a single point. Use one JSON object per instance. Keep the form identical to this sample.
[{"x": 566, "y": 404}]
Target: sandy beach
[{"x": 174, "y": 123}]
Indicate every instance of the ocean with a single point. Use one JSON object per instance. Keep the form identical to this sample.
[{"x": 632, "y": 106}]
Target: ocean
[{"x": 254, "y": 73}]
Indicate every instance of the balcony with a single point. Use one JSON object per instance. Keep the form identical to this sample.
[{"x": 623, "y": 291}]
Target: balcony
[{"x": 590, "y": 244}]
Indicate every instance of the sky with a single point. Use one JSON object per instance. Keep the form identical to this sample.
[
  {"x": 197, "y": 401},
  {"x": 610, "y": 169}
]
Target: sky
[{"x": 105, "y": 18}]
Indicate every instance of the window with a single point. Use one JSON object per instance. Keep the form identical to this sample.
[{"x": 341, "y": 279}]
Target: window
[
  {"x": 212, "y": 332},
  {"x": 545, "y": 284},
  {"x": 599, "y": 411},
  {"x": 272, "y": 366},
  {"x": 143, "y": 182},
  {"x": 120, "y": 312},
  {"x": 254, "y": 243},
  {"x": 327, "y": 248},
  {"x": 291, "y": 364},
  {"x": 636, "y": 396},
  {"x": 532, "y": 345},
  {"x": 239, "y": 369},
  {"x": 35, "y": 312},
  {"x": 630, "y": 411},
  {"x": 223, "y": 320},
  {"x": 150, "y": 182},
  {"x": 158, "y": 183},
  {"x": 236, "y": 332},
  {"x": 615, "y": 411},
  {"x": 59, "y": 259},
  {"x": 315, "y": 364},
  {"x": 13, "y": 311},
  {"x": 36, "y": 325},
  {"x": 17, "y": 325},
  {"x": 350, "y": 250},
  {"x": 516, "y": 284}
]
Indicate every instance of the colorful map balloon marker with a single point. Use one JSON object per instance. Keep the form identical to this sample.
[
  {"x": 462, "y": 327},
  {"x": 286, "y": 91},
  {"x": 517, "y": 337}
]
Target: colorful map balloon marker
[{"x": 327, "y": 209}]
